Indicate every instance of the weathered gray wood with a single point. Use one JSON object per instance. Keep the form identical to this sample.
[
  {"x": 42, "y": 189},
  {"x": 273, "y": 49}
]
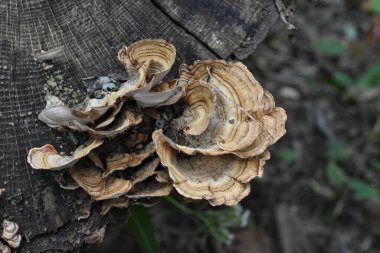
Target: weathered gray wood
[
  {"x": 227, "y": 28},
  {"x": 91, "y": 32}
]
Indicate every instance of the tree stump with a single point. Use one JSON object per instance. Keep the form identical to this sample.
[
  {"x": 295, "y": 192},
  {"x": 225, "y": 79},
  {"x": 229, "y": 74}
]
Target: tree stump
[{"x": 91, "y": 32}]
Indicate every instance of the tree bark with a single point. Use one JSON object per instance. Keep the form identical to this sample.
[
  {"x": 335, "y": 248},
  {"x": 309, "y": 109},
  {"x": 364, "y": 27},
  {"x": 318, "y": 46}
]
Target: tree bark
[{"x": 91, "y": 32}]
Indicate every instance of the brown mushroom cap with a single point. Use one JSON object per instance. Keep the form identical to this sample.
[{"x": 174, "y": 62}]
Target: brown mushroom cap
[
  {"x": 10, "y": 234},
  {"x": 10, "y": 229},
  {"x": 15, "y": 241},
  {"x": 65, "y": 181},
  {"x": 47, "y": 157},
  {"x": 159, "y": 53},
  {"x": 243, "y": 120},
  {"x": 121, "y": 202},
  {"x": 200, "y": 99},
  {"x": 114, "y": 187},
  {"x": 231, "y": 127},
  {"x": 122, "y": 161},
  {"x": 143, "y": 186},
  {"x": 125, "y": 121},
  {"x": 150, "y": 188},
  {"x": 92, "y": 180},
  {"x": 219, "y": 179},
  {"x": 4, "y": 248},
  {"x": 63, "y": 116},
  {"x": 115, "y": 109},
  {"x": 146, "y": 170},
  {"x": 147, "y": 63},
  {"x": 89, "y": 179}
]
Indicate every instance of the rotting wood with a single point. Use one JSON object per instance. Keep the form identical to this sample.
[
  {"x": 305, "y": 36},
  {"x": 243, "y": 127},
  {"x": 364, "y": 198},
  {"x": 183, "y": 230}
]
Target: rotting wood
[{"x": 90, "y": 33}]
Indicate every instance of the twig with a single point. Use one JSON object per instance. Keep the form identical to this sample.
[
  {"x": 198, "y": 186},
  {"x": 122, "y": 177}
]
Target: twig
[{"x": 284, "y": 15}]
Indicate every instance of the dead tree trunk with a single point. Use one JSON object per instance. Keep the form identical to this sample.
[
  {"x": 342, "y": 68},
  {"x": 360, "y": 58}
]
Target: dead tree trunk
[{"x": 91, "y": 32}]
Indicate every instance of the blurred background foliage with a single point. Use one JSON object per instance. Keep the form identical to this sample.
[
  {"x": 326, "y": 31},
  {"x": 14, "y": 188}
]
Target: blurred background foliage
[{"x": 321, "y": 188}]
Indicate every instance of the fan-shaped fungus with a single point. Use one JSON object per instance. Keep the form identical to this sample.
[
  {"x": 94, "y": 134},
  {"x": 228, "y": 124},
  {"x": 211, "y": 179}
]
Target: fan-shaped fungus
[{"x": 211, "y": 138}]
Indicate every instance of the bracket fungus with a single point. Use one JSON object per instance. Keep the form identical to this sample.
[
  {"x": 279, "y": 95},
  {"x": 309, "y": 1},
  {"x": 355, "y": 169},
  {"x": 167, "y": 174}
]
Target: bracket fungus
[
  {"x": 4, "y": 248},
  {"x": 47, "y": 157},
  {"x": 205, "y": 133},
  {"x": 242, "y": 121},
  {"x": 10, "y": 235},
  {"x": 220, "y": 179},
  {"x": 122, "y": 161}
]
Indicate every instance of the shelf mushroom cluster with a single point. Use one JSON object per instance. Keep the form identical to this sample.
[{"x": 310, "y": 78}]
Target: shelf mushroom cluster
[
  {"x": 10, "y": 234},
  {"x": 212, "y": 145}
]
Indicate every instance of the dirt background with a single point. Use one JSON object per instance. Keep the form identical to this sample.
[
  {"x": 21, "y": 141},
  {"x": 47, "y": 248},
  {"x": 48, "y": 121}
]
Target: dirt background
[{"x": 320, "y": 190}]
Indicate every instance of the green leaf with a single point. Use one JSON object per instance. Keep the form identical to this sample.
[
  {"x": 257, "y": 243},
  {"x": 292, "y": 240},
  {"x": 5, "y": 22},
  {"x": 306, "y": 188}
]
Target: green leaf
[
  {"x": 337, "y": 150},
  {"x": 371, "y": 77},
  {"x": 340, "y": 81},
  {"x": 374, "y": 164},
  {"x": 216, "y": 223},
  {"x": 343, "y": 80},
  {"x": 330, "y": 47},
  {"x": 363, "y": 190},
  {"x": 287, "y": 155},
  {"x": 350, "y": 31},
  {"x": 336, "y": 175},
  {"x": 374, "y": 6},
  {"x": 140, "y": 226}
]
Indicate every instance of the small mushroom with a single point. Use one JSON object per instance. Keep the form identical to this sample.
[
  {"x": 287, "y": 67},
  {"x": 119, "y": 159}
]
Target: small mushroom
[
  {"x": 47, "y": 157},
  {"x": 163, "y": 94},
  {"x": 66, "y": 182},
  {"x": 91, "y": 179},
  {"x": 147, "y": 63},
  {"x": 15, "y": 241},
  {"x": 162, "y": 176},
  {"x": 200, "y": 99},
  {"x": 81, "y": 121},
  {"x": 111, "y": 117},
  {"x": 121, "y": 202},
  {"x": 114, "y": 187},
  {"x": 4, "y": 248},
  {"x": 10, "y": 233},
  {"x": 95, "y": 159},
  {"x": 141, "y": 189},
  {"x": 121, "y": 124},
  {"x": 159, "y": 53},
  {"x": 10, "y": 229},
  {"x": 146, "y": 170},
  {"x": 59, "y": 116},
  {"x": 122, "y": 161},
  {"x": 150, "y": 188}
]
